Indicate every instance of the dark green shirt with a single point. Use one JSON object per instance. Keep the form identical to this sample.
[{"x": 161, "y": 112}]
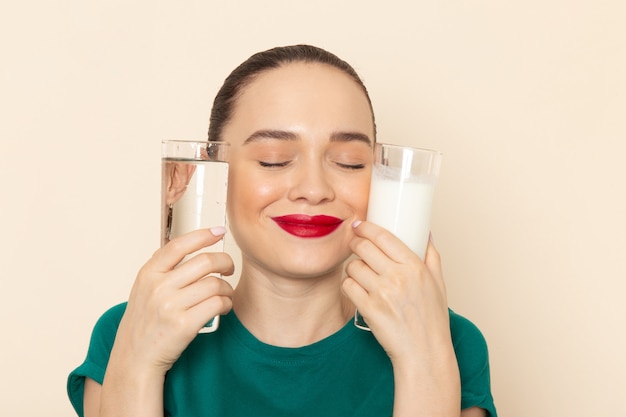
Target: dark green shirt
[{"x": 231, "y": 373}]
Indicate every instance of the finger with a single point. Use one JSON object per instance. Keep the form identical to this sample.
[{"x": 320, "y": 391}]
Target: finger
[
  {"x": 202, "y": 290},
  {"x": 204, "y": 311},
  {"x": 363, "y": 274},
  {"x": 432, "y": 258},
  {"x": 371, "y": 254},
  {"x": 167, "y": 257},
  {"x": 357, "y": 294},
  {"x": 433, "y": 263},
  {"x": 199, "y": 266},
  {"x": 383, "y": 239}
]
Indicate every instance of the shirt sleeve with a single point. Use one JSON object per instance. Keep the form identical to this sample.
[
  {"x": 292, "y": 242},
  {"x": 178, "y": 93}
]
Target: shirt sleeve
[
  {"x": 473, "y": 359},
  {"x": 98, "y": 354}
]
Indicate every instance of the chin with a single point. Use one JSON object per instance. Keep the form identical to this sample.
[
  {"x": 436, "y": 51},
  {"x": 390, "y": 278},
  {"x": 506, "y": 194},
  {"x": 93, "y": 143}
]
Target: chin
[
  {"x": 293, "y": 257},
  {"x": 313, "y": 273},
  {"x": 313, "y": 266}
]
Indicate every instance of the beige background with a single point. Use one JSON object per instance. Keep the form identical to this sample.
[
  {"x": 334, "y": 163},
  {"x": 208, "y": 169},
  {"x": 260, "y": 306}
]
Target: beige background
[{"x": 527, "y": 99}]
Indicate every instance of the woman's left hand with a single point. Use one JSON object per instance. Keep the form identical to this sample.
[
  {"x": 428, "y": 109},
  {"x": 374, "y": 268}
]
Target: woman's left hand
[{"x": 402, "y": 298}]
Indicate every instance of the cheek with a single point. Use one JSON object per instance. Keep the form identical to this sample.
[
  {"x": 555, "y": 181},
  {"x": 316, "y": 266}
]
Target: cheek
[
  {"x": 356, "y": 195},
  {"x": 364, "y": 194},
  {"x": 249, "y": 194}
]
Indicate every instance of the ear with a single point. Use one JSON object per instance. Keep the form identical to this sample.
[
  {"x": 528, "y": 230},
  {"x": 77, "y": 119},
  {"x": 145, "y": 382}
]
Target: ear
[{"x": 178, "y": 176}]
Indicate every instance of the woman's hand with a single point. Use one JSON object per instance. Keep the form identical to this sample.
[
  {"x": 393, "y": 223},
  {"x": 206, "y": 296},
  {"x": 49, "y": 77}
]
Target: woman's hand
[
  {"x": 404, "y": 302},
  {"x": 402, "y": 299},
  {"x": 169, "y": 303},
  {"x": 171, "y": 300}
]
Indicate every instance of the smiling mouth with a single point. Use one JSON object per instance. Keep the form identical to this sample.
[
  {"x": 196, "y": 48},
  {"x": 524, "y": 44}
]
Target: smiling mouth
[{"x": 302, "y": 225}]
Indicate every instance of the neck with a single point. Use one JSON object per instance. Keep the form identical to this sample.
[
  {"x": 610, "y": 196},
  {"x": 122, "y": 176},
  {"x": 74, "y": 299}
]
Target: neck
[{"x": 291, "y": 312}]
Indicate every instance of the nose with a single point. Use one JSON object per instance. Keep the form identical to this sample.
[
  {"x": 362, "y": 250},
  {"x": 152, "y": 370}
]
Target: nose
[{"x": 311, "y": 183}]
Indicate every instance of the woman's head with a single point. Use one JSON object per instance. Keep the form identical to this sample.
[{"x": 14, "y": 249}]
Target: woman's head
[
  {"x": 301, "y": 133},
  {"x": 226, "y": 98}
]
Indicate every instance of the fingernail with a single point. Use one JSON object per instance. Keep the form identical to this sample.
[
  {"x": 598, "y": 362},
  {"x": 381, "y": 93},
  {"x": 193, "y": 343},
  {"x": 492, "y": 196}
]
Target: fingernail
[
  {"x": 430, "y": 238},
  {"x": 356, "y": 223},
  {"x": 218, "y": 230}
]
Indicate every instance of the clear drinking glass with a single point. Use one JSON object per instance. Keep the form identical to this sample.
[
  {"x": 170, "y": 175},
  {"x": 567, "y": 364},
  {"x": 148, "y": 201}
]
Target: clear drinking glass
[
  {"x": 401, "y": 195},
  {"x": 194, "y": 182}
]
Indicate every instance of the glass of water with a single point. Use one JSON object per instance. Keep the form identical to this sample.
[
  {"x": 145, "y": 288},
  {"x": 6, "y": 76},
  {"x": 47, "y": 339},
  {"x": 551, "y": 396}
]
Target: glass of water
[{"x": 194, "y": 183}]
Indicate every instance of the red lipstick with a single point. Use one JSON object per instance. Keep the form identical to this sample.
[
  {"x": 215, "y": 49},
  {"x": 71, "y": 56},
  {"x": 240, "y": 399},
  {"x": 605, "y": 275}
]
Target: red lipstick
[{"x": 302, "y": 225}]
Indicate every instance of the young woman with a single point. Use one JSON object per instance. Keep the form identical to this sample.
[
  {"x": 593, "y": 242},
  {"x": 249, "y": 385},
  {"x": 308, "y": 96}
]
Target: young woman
[{"x": 301, "y": 128}]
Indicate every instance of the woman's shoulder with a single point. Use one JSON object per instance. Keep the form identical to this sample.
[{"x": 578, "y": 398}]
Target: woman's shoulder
[
  {"x": 470, "y": 347},
  {"x": 467, "y": 338},
  {"x": 112, "y": 316},
  {"x": 460, "y": 326},
  {"x": 106, "y": 326}
]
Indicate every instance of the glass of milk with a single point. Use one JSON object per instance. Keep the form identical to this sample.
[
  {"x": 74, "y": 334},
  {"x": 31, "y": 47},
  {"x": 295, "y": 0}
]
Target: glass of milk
[
  {"x": 401, "y": 196},
  {"x": 194, "y": 181}
]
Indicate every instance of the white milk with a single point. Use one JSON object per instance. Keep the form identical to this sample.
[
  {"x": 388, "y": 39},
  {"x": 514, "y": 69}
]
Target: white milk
[{"x": 404, "y": 209}]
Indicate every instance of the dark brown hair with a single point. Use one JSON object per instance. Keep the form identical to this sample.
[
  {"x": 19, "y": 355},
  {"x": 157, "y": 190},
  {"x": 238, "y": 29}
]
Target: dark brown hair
[{"x": 245, "y": 73}]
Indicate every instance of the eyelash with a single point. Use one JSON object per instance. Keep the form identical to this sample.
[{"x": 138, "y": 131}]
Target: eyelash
[
  {"x": 352, "y": 167},
  {"x": 285, "y": 163},
  {"x": 273, "y": 164}
]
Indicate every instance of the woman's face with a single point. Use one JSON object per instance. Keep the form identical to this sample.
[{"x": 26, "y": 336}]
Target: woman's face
[{"x": 301, "y": 154}]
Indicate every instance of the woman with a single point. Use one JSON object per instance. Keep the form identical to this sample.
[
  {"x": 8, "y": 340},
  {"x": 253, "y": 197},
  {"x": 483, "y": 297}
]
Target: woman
[{"x": 301, "y": 128}]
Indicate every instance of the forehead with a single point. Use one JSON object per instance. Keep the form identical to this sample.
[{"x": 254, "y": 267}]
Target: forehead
[
  {"x": 303, "y": 96},
  {"x": 297, "y": 72}
]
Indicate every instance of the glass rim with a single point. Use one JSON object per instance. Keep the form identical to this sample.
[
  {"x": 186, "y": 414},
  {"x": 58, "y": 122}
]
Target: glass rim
[
  {"x": 413, "y": 148},
  {"x": 190, "y": 141},
  {"x": 195, "y": 150}
]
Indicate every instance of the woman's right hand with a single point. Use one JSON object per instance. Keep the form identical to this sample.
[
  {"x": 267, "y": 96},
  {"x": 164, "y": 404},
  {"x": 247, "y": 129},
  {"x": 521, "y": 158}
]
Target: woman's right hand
[{"x": 172, "y": 300}]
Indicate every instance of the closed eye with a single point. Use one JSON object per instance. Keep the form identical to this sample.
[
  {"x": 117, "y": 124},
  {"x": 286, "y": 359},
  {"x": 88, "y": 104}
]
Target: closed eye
[
  {"x": 274, "y": 164},
  {"x": 351, "y": 166}
]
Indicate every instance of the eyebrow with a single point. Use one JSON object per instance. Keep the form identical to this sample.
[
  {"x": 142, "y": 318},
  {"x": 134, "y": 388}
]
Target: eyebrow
[
  {"x": 270, "y": 134},
  {"x": 286, "y": 135},
  {"x": 350, "y": 136}
]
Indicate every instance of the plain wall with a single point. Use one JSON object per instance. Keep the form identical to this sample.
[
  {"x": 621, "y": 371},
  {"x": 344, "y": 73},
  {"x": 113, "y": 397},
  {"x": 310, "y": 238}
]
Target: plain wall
[{"x": 526, "y": 99}]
